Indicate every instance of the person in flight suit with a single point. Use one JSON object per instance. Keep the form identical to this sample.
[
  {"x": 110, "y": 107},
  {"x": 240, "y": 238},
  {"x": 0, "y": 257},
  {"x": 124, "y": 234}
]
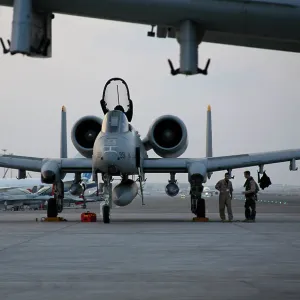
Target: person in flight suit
[
  {"x": 224, "y": 186},
  {"x": 250, "y": 195}
]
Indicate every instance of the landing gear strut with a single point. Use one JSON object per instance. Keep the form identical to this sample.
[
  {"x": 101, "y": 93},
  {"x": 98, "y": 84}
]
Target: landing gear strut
[
  {"x": 106, "y": 204},
  {"x": 56, "y": 204},
  {"x": 198, "y": 206},
  {"x": 189, "y": 36},
  {"x": 197, "y": 202}
]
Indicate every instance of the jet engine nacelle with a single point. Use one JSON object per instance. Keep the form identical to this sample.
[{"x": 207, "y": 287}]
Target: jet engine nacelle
[
  {"x": 124, "y": 193},
  {"x": 50, "y": 172},
  {"x": 84, "y": 134},
  {"x": 172, "y": 189},
  {"x": 167, "y": 137}
]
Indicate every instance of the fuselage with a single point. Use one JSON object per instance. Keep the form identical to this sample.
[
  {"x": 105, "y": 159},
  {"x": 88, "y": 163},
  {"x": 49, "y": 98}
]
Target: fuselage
[
  {"x": 114, "y": 150},
  {"x": 276, "y": 19}
]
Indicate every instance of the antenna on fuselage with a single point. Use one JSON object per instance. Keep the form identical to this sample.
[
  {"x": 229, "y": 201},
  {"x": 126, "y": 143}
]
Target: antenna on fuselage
[
  {"x": 103, "y": 103},
  {"x": 118, "y": 95}
]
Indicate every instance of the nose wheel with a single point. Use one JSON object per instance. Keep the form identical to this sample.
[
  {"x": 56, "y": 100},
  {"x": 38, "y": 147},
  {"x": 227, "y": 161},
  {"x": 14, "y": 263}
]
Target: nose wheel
[{"x": 106, "y": 214}]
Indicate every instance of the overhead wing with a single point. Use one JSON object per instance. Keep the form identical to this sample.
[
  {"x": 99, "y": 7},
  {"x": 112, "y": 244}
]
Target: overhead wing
[
  {"x": 213, "y": 164},
  {"x": 251, "y": 41},
  {"x": 34, "y": 164}
]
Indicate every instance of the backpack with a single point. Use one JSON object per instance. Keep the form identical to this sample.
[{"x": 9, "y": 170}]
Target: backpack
[{"x": 256, "y": 187}]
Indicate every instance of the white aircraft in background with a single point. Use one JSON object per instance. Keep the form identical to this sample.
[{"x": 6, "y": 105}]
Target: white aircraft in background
[
  {"x": 207, "y": 192},
  {"x": 34, "y": 184}
]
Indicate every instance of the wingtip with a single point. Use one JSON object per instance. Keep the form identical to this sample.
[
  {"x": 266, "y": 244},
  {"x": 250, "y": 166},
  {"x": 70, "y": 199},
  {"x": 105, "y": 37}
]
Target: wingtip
[
  {"x": 63, "y": 108},
  {"x": 208, "y": 108}
]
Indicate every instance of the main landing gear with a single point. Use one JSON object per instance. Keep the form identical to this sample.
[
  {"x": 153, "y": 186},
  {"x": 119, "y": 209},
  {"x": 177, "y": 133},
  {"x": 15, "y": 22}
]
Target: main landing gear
[
  {"x": 55, "y": 205},
  {"x": 197, "y": 202},
  {"x": 106, "y": 204}
]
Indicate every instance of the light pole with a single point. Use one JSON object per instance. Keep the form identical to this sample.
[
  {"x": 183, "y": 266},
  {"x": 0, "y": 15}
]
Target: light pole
[
  {"x": 4, "y": 151},
  {"x": 11, "y": 170}
]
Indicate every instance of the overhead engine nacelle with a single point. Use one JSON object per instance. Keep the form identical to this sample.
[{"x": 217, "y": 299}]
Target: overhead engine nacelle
[
  {"x": 84, "y": 134},
  {"x": 124, "y": 193},
  {"x": 167, "y": 137}
]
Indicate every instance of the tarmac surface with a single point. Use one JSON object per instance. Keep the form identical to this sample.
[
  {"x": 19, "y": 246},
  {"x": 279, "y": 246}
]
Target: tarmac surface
[{"x": 153, "y": 252}]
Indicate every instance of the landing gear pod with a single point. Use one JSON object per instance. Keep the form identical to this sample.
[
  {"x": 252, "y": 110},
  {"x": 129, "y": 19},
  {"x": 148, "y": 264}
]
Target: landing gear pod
[{"x": 31, "y": 31}]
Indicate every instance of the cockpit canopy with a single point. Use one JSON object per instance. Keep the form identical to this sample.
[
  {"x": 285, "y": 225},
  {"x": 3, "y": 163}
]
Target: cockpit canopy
[
  {"x": 116, "y": 97},
  {"x": 115, "y": 122}
]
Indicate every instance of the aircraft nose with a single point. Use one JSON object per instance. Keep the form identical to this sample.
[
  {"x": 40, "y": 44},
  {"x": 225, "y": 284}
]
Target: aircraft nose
[{"x": 110, "y": 160}]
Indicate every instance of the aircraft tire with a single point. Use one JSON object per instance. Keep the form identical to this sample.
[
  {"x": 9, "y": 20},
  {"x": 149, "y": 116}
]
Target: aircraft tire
[
  {"x": 200, "y": 211},
  {"x": 52, "y": 208},
  {"x": 106, "y": 214}
]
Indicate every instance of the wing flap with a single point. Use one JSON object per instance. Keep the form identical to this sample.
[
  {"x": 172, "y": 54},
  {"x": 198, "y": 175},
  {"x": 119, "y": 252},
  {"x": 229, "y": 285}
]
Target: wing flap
[{"x": 249, "y": 160}]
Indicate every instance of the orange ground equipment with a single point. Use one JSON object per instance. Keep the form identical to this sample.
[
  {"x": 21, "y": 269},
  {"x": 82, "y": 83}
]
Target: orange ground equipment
[{"x": 88, "y": 217}]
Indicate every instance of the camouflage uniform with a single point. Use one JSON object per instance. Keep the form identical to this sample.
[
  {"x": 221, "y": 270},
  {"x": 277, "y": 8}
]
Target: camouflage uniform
[
  {"x": 225, "y": 189},
  {"x": 250, "y": 195}
]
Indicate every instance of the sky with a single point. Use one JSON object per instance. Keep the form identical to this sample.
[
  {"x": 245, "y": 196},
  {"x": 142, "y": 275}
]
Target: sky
[{"x": 254, "y": 93}]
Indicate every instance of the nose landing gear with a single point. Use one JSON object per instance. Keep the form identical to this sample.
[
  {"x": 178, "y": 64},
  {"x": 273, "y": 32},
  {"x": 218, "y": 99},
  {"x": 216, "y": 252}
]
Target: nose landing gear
[{"x": 106, "y": 204}]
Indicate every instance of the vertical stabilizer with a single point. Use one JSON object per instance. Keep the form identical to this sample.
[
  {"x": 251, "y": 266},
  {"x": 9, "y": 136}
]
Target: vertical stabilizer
[
  {"x": 209, "y": 147},
  {"x": 63, "y": 134}
]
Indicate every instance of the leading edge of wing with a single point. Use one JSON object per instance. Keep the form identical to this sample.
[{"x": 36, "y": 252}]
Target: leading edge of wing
[
  {"x": 73, "y": 165},
  {"x": 219, "y": 163},
  {"x": 165, "y": 165},
  {"x": 21, "y": 162},
  {"x": 34, "y": 164}
]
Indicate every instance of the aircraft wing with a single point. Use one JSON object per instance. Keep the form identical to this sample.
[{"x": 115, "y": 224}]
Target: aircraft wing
[
  {"x": 213, "y": 164},
  {"x": 34, "y": 164},
  {"x": 158, "y": 165},
  {"x": 21, "y": 162}
]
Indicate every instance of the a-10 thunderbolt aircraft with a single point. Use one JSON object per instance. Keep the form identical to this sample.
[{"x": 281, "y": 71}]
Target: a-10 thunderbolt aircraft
[
  {"x": 112, "y": 147},
  {"x": 266, "y": 24}
]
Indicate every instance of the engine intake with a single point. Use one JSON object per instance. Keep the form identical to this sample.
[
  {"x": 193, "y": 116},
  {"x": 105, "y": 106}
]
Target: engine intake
[
  {"x": 167, "y": 137},
  {"x": 84, "y": 134}
]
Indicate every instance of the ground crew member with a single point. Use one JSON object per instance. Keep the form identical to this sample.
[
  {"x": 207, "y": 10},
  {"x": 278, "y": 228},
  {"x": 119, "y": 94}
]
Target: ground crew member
[
  {"x": 224, "y": 186},
  {"x": 251, "y": 196}
]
